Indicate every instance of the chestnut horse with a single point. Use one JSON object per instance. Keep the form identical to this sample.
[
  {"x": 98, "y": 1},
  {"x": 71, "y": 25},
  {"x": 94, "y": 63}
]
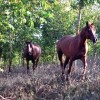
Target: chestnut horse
[
  {"x": 75, "y": 47},
  {"x": 32, "y": 52}
]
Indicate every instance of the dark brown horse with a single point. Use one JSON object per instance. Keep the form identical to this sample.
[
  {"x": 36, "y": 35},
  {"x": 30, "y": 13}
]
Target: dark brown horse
[
  {"x": 75, "y": 47},
  {"x": 32, "y": 52}
]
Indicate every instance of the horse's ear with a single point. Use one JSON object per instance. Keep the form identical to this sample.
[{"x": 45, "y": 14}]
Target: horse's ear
[
  {"x": 87, "y": 24},
  {"x": 25, "y": 41},
  {"x": 92, "y": 24}
]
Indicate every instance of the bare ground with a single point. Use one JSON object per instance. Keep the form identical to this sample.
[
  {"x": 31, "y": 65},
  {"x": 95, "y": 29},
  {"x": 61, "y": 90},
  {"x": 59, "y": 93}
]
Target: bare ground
[{"x": 46, "y": 83}]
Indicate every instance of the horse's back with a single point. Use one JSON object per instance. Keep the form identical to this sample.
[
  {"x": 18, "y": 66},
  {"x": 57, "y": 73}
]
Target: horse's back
[
  {"x": 66, "y": 45},
  {"x": 64, "y": 41},
  {"x": 36, "y": 50}
]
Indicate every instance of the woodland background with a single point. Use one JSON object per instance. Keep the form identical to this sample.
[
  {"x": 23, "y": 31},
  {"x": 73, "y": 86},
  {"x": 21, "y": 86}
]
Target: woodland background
[{"x": 44, "y": 22}]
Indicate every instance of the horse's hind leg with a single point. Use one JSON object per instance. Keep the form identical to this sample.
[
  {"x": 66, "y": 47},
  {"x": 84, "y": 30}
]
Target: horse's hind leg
[
  {"x": 35, "y": 63},
  {"x": 37, "y": 60},
  {"x": 70, "y": 65},
  {"x": 66, "y": 62},
  {"x": 61, "y": 62}
]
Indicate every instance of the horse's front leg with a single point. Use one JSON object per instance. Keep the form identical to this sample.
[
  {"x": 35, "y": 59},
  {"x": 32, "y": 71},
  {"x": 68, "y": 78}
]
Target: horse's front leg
[
  {"x": 27, "y": 66},
  {"x": 61, "y": 61},
  {"x": 70, "y": 65},
  {"x": 33, "y": 61},
  {"x": 85, "y": 65}
]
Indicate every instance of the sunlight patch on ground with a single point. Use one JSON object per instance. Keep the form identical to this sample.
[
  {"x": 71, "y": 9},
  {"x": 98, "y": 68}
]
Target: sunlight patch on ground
[{"x": 1, "y": 70}]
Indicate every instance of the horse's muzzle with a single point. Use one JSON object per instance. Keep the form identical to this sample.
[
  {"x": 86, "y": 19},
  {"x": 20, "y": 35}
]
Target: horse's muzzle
[{"x": 95, "y": 40}]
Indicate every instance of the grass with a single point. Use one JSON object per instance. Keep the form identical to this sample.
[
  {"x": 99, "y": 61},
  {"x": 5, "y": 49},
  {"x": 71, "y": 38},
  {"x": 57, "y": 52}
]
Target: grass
[{"x": 46, "y": 83}]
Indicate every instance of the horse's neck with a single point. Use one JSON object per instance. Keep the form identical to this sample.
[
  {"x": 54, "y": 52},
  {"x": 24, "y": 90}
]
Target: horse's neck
[
  {"x": 83, "y": 40},
  {"x": 30, "y": 48}
]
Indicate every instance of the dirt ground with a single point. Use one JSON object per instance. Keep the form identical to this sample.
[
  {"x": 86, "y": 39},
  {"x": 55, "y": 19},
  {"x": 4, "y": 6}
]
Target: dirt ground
[{"x": 46, "y": 83}]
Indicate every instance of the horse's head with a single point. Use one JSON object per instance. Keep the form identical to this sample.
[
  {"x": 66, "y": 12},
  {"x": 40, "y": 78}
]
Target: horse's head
[
  {"x": 91, "y": 32},
  {"x": 29, "y": 47}
]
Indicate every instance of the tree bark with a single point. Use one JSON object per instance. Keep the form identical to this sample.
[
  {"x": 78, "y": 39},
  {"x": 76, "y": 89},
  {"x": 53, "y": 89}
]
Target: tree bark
[
  {"x": 81, "y": 4},
  {"x": 10, "y": 55}
]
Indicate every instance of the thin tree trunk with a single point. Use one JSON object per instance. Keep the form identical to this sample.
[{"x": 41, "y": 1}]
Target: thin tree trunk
[
  {"x": 10, "y": 55},
  {"x": 22, "y": 57},
  {"x": 81, "y": 3},
  {"x": 78, "y": 22}
]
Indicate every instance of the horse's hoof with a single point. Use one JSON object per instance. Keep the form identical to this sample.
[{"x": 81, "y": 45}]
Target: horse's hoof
[
  {"x": 33, "y": 69},
  {"x": 83, "y": 78},
  {"x": 67, "y": 78},
  {"x": 28, "y": 72},
  {"x": 63, "y": 77}
]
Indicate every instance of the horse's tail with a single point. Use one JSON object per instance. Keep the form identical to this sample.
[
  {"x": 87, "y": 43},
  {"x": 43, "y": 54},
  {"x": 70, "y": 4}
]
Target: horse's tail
[{"x": 57, "y": 45}]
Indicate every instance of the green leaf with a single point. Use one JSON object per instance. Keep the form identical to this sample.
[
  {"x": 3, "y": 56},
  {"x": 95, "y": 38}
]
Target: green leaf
[{"x": 11, "y": 26}]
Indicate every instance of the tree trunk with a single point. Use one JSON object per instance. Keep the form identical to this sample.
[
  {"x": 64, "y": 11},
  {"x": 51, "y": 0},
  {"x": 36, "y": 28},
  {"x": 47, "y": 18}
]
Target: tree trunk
[
  {"x": 10, "y": 51},
  {"x": 10, "y": 57},
  {"x": 78, "y": 22},
  {"x": 81, "y": 4}
]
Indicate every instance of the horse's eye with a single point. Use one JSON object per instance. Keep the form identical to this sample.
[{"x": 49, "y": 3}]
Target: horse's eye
[
  {"x": 96, "y": 35},
  {"x": 89, "y": 30}
]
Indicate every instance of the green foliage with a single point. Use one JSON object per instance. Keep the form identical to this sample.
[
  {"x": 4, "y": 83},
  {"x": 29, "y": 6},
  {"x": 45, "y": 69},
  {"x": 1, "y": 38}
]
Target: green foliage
[{"x": 42, "y": 22}]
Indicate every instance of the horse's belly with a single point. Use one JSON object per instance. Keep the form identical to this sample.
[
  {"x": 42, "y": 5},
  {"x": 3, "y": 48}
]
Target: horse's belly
[{"x": 66, "y": 52}]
